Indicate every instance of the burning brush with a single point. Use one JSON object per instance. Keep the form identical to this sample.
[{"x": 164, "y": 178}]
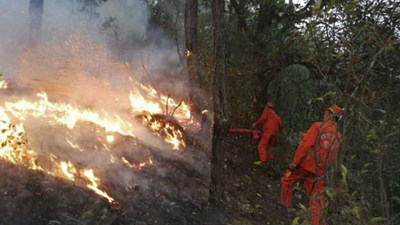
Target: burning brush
[
  {"x": 166, "y": 127},
  {"x": 15, "y": 149},
  {"x": 107, "y": 108}
]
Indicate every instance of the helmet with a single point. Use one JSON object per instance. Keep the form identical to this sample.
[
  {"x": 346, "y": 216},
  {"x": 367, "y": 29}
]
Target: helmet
[
  {"x": 335, "y": 110},
  {"x": 271, "y": 104}
]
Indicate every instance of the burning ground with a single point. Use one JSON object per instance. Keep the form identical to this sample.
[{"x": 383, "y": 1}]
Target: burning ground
[{"x": 85, "y": 131}]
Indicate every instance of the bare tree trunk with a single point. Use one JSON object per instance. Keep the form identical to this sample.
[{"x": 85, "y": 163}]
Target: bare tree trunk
[
  {"x": 35, "y": 20},
  {"x": 291, "y": 6},
  {"x": 221, "y": 119},
  {"x": 191, "y": 15},
  {"x": 240, "y": 9}
]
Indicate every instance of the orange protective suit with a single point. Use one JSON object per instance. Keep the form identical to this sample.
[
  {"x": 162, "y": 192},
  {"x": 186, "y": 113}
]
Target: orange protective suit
[
  {"x": 271, "y": 124},
  {"x": 312, "y": 161}
]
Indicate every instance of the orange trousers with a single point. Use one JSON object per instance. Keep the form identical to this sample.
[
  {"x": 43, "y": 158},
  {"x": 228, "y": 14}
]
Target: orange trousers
[
  {"x": 267, "y": 140},
  {"x": 313, "y": 189}
]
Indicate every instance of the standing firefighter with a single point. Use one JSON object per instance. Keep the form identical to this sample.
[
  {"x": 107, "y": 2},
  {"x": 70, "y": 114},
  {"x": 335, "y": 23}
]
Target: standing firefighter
[
  {"x": 270, "y": 124},
  {"x": 319, "y": 146}
]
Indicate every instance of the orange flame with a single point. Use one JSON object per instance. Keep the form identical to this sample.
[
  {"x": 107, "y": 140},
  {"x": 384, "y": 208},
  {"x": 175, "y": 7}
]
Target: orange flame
[
  {"x": 94, "y": 185},
  {"x": 133, "y": 165},
  {"x": 68, "y": 169},
  {"x": 13, "y": 144},
  {"x": 14, "y": 149},
  {"x": 188, "y": 53},
  {"x": 171, "y": 133},
  {"x": 68, "y": 115}
]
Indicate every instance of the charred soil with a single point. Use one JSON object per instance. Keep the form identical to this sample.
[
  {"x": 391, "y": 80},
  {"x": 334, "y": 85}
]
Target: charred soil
[{"x": 174, "y": 191}]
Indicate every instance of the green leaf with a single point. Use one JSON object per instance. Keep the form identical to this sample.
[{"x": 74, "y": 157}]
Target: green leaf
[
  {"x": 330, "y": 194},
  {"x": 338, "y": 55},
  {"x": 302, "y": 207},
  {"x": 317, "y": 7},
  {"x": 376, "y": 151},
  {"x": 396, "y": 199},
  {"x": 331, "y": 4},
  {"x": 356, "y": 211},
  {"x": 344, "y": 170},
  {"x": 366, "y": 165},
  {"x": 365, "y": 168},
  {"x": 344, "y": 176},
  {"x": 377, "y": 219},
  {"x": 350, "y": 6},
  {"x": 295, "y": 221},
  {"x": 312, "y": 100}
]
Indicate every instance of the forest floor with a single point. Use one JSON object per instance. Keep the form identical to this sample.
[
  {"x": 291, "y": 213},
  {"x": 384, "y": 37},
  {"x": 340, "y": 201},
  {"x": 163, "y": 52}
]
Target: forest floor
[
  {"x": 176, "y": 196},
  {"x": 253, "y": 191}
]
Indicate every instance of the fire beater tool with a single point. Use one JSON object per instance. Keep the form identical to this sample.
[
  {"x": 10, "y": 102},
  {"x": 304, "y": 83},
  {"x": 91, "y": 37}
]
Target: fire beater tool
[{"x": 255, "y": 135}]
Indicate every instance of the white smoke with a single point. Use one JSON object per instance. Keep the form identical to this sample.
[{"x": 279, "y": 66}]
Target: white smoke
[{"x": 87, "y": 59}]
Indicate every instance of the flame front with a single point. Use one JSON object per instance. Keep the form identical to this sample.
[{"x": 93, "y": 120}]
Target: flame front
[
  {"x": 95, "y": 186},
  {"x": 66, "y": 114},
  {"x": 14, "y": 149},
  {"x": 13, "y": 144},
  {"x": 79, "y": 70},
  {"x": 68, "y": 169},
  {"x": 172, "y": 134},
  {"x": 147, "y": 99}
]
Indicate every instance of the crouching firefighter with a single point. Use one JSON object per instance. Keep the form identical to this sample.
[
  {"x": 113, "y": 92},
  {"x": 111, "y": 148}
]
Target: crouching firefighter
[
  {"x": 271, "y": 124},
  {"x": 318, "y": 147}
]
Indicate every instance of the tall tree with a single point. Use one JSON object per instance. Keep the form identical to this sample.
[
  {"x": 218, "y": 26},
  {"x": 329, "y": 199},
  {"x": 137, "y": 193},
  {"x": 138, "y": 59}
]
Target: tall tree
[
  {"x": 241, "y": 11},
  {"x": 191, "y": 16},
  {"x": 35, "y": 20},
  {"x": 221, "y": 119}
]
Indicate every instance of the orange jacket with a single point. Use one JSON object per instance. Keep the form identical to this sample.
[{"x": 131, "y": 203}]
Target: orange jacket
[
  {"x": 328, "y": 139},
  {"x": 270, "y": 121}
]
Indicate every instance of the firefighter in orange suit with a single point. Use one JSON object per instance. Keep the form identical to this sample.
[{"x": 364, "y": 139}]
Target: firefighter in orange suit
[
  {"x": 318, "y": 147},
  {"x": 271, "y": 124}
]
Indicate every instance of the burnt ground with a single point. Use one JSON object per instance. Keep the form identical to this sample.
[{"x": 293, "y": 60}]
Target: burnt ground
[{"x": 177, "y": 195}]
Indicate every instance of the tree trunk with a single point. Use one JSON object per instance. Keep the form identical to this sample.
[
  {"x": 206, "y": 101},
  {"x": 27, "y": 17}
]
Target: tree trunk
[
  {"x": 191, "y": 15},
  {"x": 221, "y": 119},
  {"x": 35, "y": 20},
  {"x": 240, "y": 9},
  {"x": 264, "y": 17}
]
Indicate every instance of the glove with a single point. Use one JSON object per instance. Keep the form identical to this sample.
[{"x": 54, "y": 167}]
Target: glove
[{"x": 292, "y": 166}]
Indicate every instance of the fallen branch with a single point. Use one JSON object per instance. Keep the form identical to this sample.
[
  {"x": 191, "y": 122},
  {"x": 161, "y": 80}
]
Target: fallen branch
[
  {"x": 148, "y": 75},
  {"x": 179, "y": 105}
]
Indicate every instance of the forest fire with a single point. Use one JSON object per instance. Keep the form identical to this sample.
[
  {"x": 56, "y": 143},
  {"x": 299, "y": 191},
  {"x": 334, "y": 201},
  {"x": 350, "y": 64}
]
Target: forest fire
[
  {"x": 66, "y": 114},
  {"x": 80, "y": 94},
  {"x": 166, "y": 128},
  {"x": 147, "y": 99},
  {"x": 16, "y": 150}
]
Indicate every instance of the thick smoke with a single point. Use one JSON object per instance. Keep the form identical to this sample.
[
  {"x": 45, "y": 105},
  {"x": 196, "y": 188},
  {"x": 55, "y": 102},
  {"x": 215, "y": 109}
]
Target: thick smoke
[{"x": 88, "y": 59}]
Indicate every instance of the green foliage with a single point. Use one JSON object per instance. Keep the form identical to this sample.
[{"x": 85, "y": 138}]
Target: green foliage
[
  {"x": 336, "y": 51},
  {"x": 344, "y": 177},
  {"x": 346, "y": 54}
]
